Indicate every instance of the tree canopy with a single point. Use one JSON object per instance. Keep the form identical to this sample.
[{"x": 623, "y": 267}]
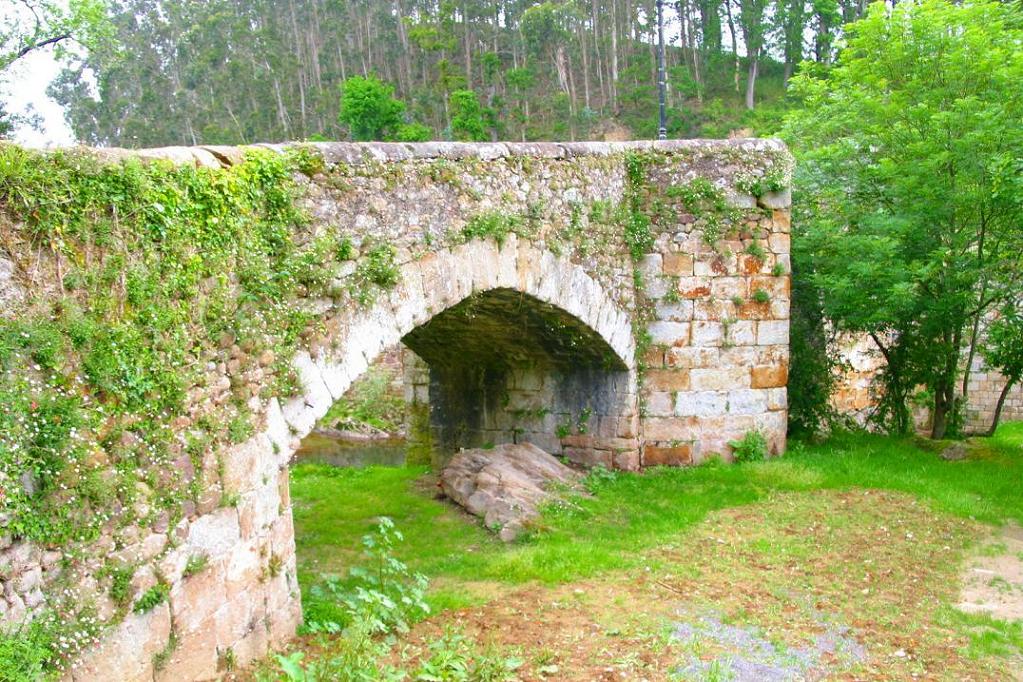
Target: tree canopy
[
  {"x": 227, "y": 71},
  {"x": 909, "y": 182},
  {"x": 369, "y": 109}
]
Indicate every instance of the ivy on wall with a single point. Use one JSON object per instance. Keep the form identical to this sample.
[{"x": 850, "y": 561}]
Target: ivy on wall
[{"x": 136, "y": 277}]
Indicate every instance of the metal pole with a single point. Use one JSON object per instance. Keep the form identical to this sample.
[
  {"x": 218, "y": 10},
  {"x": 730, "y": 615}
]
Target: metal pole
[{"x": 662, "y": 86}]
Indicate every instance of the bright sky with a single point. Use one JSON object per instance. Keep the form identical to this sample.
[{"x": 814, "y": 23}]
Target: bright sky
[{"x": 26, "y": 87}]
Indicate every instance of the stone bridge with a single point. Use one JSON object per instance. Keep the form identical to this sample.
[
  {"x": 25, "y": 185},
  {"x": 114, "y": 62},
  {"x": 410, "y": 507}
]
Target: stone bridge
[{"x": 621, "y": 304}]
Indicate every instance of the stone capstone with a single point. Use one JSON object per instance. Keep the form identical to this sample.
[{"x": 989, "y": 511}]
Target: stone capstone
[{"x": 505, "y": 485}]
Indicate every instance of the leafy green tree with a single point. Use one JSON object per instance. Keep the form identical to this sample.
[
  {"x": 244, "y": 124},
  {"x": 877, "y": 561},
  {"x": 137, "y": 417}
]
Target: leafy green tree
[
  {"x": 909, "y": 176},
  {"x": 413, "y": 132},
  {"x": 32, "y": 25},
  {"x": 369, "y": 108},
  {"x": 468, "y": 117},
  {"x": 1004, "y": 352}
]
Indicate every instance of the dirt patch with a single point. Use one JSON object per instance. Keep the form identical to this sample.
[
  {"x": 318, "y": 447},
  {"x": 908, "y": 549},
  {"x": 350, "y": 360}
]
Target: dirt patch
[
  {"x": 828, "y": 585},
  {"x": 993, "y": 579},
  {"x": 593, "y": 630}
]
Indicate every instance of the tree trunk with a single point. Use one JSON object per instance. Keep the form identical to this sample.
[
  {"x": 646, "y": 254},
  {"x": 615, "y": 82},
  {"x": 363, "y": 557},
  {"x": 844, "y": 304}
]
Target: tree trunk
[
  {"x": 945, "y": 391},
  {"x": 751, "y": 80},
  {"x": 735, "y": 43},
  {"x": 614, "y": 56},
  {"x": 1009, "y": 383}
]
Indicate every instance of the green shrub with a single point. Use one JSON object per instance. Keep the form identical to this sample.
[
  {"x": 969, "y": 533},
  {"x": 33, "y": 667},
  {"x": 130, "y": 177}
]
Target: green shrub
[
  {"x": 493, "y": 225},
  {"x": 25, "y": 653},
  {"x": 752, "y": 447},
  {"x": 382, "y": 593},
  {"x": 196, "y": 564},
  {"x": 456, "y": 658},
  {"x": 120, "y": 583},
  {"x": 151, "y": 598},
  {"x": 756, "y": 250}
]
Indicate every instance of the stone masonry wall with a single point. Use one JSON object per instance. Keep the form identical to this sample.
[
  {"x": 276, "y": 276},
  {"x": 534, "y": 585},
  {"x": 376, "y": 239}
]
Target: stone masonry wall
[
  {"x": 694, "y": 328},
  {"x": 854, "y": 398}
]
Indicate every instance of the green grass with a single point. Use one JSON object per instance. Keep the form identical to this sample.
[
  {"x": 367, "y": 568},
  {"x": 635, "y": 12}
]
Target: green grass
[
  {"x": 698, "y": 533},
  {"x": 630, "y": 513}
]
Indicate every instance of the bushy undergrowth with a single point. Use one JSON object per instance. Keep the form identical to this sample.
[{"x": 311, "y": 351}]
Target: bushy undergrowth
[
  {"x": 752, "y": 447},
  {"x": 381, "y": 598},
  {"x": 369, "y": 402}
]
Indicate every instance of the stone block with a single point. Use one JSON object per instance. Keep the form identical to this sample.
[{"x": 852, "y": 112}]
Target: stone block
[
  {"x": 651, "y": 266},
  {"x": 240, "y": 616},
  {"x": 172, "y": 565},
  {"x": 779, "y": 309},
  {"x": 780, "y": 242},
  {"x": 714, "y": 265},
  {"x": 628, "y": 426},
  {"x": 672, "y": 455},
  {"x": 751, "y": 265},
  {"x": 719, "y": 378},
  {"x": 678, "y": 264},
  {"x": 777, "y": 399},
  {"x": 315, "y": 391},
  {"x": 654, "y": 356},
  {"x": 685, "y": 358},
  {"x": 253, "y": 646},
  {"x": 626, "y": 460},
  {"x": 277, "y": 431},
  {"x": 667, "y": 380},
  {"x": 770, "y": 376},
  {"x": 728, "y": 288},
  {"x": 284, "y": 620},
  {"x": 775, "y": 286},
  {"x": 781, "y": 199},
  {"x": 301, "y": 418},
  {"x": 216, "y": 533},
  {"x": 714, "y": 309},
  {"x": 747, "y": 401},
  {"x": 680, "y": 311},
  {"x": 782, "y": 220},
  {"x": 194, "y": 600},
  {"x": 670, "y": 428},
  {"x": 707, "y": 334},
  {"x": 741, "y": 333},
  {"x": 700, "y": 404},
  {"x": 247, "y": 464},
  {"x": 694, "y": 287},
  {"x": 771, "y": 332},
  {"x": 195, "y": 656},
  {"x": 589, "y": 457},
  {"x": 258, "y": 508},
  {"x": 660, "y": 404},
  {"x": 669, "y": 333}
]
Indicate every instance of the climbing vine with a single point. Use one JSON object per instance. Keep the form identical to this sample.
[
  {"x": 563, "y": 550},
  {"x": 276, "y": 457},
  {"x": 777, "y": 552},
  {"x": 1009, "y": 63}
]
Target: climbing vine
[{"x": 129, "y": 301}]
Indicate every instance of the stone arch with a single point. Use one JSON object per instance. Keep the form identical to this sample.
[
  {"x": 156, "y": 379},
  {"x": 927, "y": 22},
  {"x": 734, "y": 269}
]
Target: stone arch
[{"x": 426, "y": 288}]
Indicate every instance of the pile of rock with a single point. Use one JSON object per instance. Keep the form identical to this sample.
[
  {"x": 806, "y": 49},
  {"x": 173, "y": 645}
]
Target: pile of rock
[{"x": 505, "y": 485}]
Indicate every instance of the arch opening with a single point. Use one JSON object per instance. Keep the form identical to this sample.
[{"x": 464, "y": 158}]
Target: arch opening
[{"x": 507, "y": 367}]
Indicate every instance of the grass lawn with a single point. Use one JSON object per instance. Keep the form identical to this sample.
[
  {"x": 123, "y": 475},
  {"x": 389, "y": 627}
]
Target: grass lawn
[{"x": 843, "y": 557}]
